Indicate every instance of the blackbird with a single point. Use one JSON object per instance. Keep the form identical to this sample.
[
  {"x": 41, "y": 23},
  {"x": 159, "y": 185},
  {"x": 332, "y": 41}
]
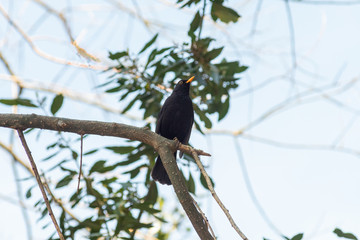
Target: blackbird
[{"x": 175, "y": 119}]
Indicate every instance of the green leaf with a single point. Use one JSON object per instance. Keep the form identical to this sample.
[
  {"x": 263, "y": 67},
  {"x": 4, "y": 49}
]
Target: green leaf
[
  {"x": 109, "y": 180},
  {"x": 28, "y": 193},
  {"x": 151, "y": 57},
  {"x": 152, "y": 195},
  {"x": 117, "y": 55},
  {"x": 65, "y": 181},
  {"x": 134, "y": 172},
  {"x": 18, "y": 101},
  {"x": 340, "y": 233},
  {"x": 114, "y": 89},
  {"x": 213, "y": 53},
  {"x": 203, "y": 117},
  {"x": 74, "y": 155},
  {"x": 225, "y": 14},
  {"x": 91, "y": 152},
  {"x": 243, "y": 69},
  {"x": 126, "y": 162},
  {"x": 203, "y": 182},
  {"x": 43, "y": 213},
  {"x": 194, "y": 25},
  {"x": 68, "y": 170},
  {"x": 50, "y": 156},
  {"x": 197, "y": 126},
  {"x": 191, "y": 184},
  {"x": 57, "y": 103},
  {"x": 28, "y": 130},
  {"x": 62, "y": 221},
  {"x": 188, "y": 3},
  {"x": 224, "y": 108},
  {"x": 121, "y": 149},
  {"x": 130, "y": 105},
  {"x": 163, "y": 50},
  {"x": 118, "y": 228},
  {"x": 148, "y": 44},
  {"x": 298, "y": 236},
  {"x": 98, "y": 166}
]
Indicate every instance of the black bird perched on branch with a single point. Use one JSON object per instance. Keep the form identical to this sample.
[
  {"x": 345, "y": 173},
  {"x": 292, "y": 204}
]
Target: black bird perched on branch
[{"x": 175, "y": 119}]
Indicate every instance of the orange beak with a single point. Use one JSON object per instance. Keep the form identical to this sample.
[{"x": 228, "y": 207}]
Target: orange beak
[{"x": 190, "y": 79}]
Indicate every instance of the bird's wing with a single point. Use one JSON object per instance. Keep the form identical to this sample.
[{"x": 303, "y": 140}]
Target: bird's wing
[{"x": 186, "y": 140}]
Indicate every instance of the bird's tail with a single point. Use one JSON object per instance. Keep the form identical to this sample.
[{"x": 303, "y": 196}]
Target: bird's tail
[{"x": 159, "y": 173}]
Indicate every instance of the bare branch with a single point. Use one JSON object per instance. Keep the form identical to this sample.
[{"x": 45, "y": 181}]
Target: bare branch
[
  {"x": 44, "y": 54},
  {"x": 251, "y": 189},
  {"x": 179, "y": 184},
  {"x": 213, "y": 193},
  {"x": 319, "y": 147},
  {"x": 81, "y": 157},
  {"x": 47, "y": 188},
  {"x": 62, "y": 18},
  {"x": 15, "y": 157},
  {"x": 292, "y": 35},
  {"x": 33, "y": 165},
  {"x": 87, "y": 98}
]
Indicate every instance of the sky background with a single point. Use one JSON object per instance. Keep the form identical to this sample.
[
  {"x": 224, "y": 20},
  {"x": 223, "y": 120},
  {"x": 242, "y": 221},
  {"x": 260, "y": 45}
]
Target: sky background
[{"x": 296, "y": 166}]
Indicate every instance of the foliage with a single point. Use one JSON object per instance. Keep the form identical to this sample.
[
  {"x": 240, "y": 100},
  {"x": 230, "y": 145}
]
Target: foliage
[
  {"x": 341, "y": 234},
  {"x": 119, "y": 206},
  {"x": 18, "y": 102},
  {"x": 144, "y": 83}
]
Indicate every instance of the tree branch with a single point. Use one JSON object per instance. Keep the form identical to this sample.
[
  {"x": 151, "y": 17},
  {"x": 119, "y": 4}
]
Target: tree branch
[
  {"x": 163, "y": 146},
  {"x": 33, "y": 165},
  {"x": 213, "y": 193},
  {"x": 42, "y": 53}
]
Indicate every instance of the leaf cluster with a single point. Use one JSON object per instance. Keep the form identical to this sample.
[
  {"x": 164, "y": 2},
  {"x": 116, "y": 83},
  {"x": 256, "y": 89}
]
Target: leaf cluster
[{"x": 144, "y": 80}]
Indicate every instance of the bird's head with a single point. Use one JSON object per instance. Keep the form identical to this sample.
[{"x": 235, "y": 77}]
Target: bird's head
[{"x": 183, "y": 86}]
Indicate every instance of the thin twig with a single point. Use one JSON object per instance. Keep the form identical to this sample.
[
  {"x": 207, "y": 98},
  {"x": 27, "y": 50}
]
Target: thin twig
[
  {"x": 90, "y": 99},
  {"x": 23, "y": 208},
  {"x": 205, "y": 218},
  {"x": 38, "y": 179},
  {"x": 213, "y": 193},
  {"x": 28, "y": 168},
  {"x": 81, "y": 51},
  {"x": 251, "y": 190},
  {"x": 81, "y": 155},
  {"x": 44, "y": 54},
  {"x": 187, "y": 148},
  {"x": 256, "y": 17},
  {"x": 16, "y": 92},
  {"x": 292, "y": 33},
  {"x": 202, "y": 20},
  {"x": 14, "y": 156}
]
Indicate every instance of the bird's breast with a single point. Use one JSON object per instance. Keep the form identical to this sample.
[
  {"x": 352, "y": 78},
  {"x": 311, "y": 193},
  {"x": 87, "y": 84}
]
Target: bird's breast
[{"x": 177, "y": 119}]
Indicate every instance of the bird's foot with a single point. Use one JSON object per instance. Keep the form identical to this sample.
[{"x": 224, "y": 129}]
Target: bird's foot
[{"x": 177, "y": 142}]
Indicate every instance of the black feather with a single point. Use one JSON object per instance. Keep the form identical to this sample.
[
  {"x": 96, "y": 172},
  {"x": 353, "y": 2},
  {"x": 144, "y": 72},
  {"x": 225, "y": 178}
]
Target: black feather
[{"x": 175, "y": 119}]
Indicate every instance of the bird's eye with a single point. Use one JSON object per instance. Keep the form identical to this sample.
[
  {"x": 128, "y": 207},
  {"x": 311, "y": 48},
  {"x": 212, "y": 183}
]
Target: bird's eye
[{"x": 181, "y": 82}]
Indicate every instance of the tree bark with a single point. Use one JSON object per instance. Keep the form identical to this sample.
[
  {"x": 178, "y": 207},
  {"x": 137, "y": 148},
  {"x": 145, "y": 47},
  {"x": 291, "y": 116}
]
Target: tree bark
[{"x": 163, "y": 146}]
